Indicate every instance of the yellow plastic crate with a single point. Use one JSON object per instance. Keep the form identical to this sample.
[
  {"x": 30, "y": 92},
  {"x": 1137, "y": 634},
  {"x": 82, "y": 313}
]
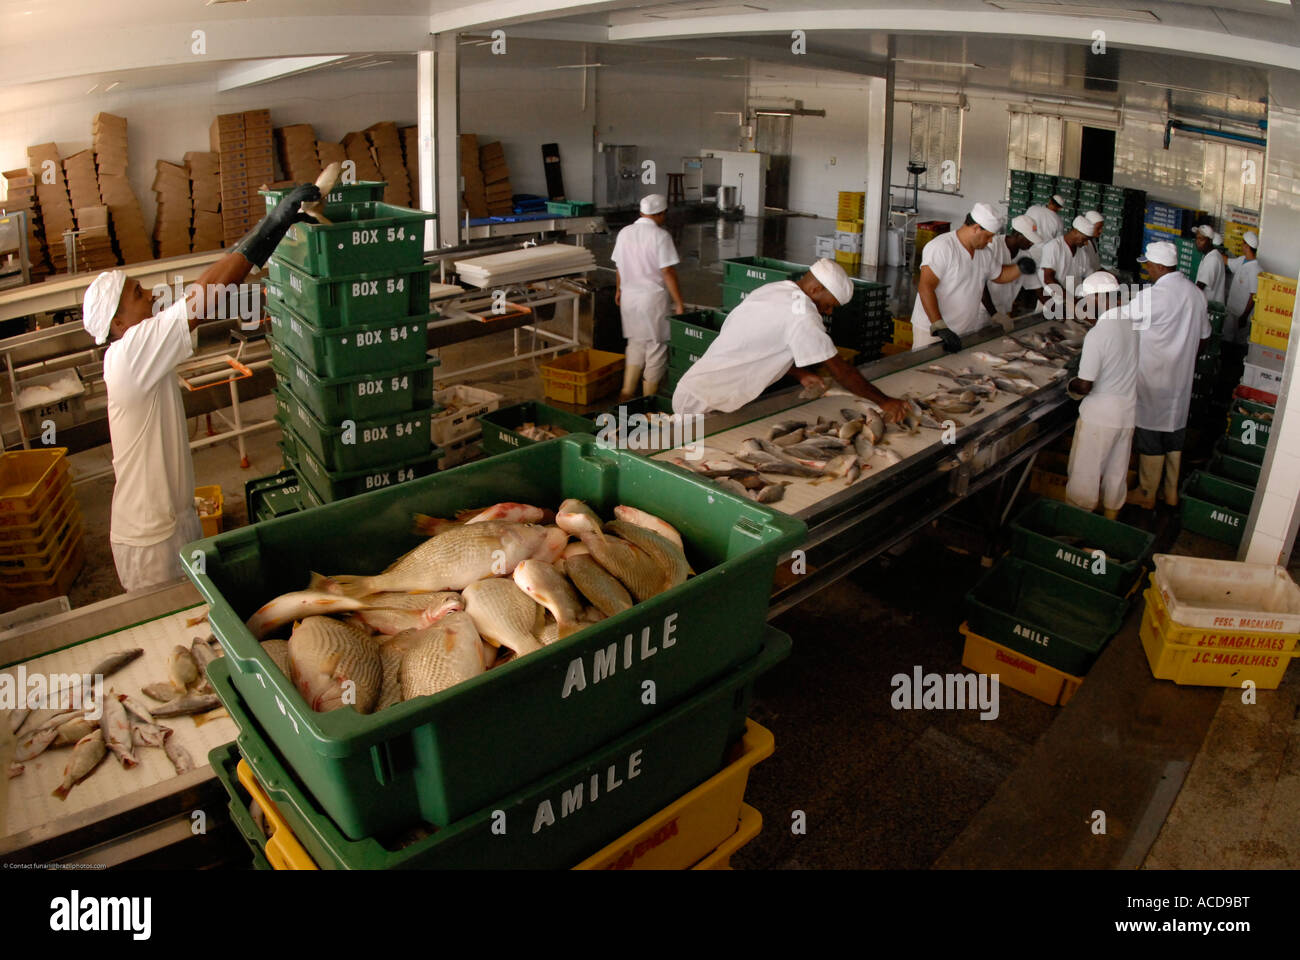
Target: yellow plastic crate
[
  {"x": 889, "y": 349},
  {"x": 1197, "y": 656},
  {"x": 684, "y": 832},
  {"x": 582, "y": 377},
  {"x": 902, "y": 331},
  {"x": 1274, "y": 291},
  {"x": 849, "y": 224},
  {"x": 846, "y": 258},
  {"x": 283, "y": 851},
  {"x": 211, "y": 521},
  {"x": 1269, "y": 335},
  {"x": 28, "y": 476},
  {"x": 852, "y": 204},
  {"x": 1017, "y": 671},
  {"x": 18, "y": 593},
  {"x": 751, "y": 824}
]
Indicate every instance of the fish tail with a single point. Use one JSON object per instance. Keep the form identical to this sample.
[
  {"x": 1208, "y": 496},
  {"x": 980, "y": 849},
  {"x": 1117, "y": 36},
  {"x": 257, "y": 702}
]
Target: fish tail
[
  {"x": 432, "y": 526},
  {"x": 320, "y": 583},
  {"x": 462, "y": 515},
  {"x": 61, "y": 792},
  {"x": 352, "y": 587},
  {"x": 569, "y": 627}
]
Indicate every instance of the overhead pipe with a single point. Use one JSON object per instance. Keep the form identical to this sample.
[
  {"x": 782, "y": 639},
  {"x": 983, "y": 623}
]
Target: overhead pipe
[{"x": 1171, "y": 125}]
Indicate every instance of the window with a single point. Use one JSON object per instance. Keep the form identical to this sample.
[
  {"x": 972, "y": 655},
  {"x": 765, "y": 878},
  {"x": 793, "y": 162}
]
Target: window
[
  {"x": 936, "y": 143},
  {"x": 1034, "y": 143}
]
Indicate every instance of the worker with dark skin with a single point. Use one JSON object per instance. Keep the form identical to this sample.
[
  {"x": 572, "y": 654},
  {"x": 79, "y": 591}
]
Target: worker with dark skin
[{"x": 1017, "y": 243}]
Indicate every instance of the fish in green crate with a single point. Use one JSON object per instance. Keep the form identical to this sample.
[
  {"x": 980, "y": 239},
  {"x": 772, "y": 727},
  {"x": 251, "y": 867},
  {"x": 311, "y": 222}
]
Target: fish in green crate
[
  {"x": 505, "y": 615},
  {"x": 442, "y": 656},
  {"x": 334, "y": 665}
]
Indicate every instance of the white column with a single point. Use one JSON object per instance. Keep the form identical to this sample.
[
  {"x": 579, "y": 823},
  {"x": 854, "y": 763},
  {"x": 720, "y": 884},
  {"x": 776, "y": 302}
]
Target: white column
[
  {"x": 1271, "y": 529},
  {"x": 875, "y": 215},
  {"x": 439, "y": 123}
]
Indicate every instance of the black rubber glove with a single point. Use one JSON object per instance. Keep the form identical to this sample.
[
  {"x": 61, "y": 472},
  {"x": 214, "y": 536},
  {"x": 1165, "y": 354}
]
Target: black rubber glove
[
  {"x": 260, "y": 242},
  {"x": 951, "y": 342},
  {"x": 1027, "y": 265}
]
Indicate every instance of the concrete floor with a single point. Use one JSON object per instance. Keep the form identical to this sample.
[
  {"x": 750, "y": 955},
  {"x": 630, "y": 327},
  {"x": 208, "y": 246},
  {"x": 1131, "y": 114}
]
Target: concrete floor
[{"x": 1188, "y": 777}]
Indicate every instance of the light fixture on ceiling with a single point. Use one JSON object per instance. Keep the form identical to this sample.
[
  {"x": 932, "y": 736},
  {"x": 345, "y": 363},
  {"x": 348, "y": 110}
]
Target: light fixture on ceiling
[
  {"x": 1174, "y": 86},
  {"x": 92, "y": 89},
  {"x": 1078, "y": 11},
  {"x": 774, "y": 113},
  {"x": 938, "y": 63},
  {"x": 115, "y": 83},
  {"x": 213, "y": 3},
  {"x": 377, "y": 63},
  {"x": 578, "y": 66},
  {"x": 712, "y": 59}
]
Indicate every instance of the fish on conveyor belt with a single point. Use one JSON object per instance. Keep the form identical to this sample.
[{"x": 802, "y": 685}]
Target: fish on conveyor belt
[
  {"x": 203, "y": 654},
  {"x": 177, "y": 754},
  {"x": 661, "y": 550},
  {"x": 181, "y": 668},
  {"x": 650, "y": 522},
  {"x": 601, "y": 588},
  {"x": 135, "y": 708},
  {"x": 455, "y": 559},
  {"x": 888, "y": 457},
  {"x": 72, "y": 731},
  {"x": 86, "y": 756},
  {"x": 333, "y": 665},
  {"x": 991, "y": 359},
  {"x": 548, "y": 587},
  {"x": 117, "y": 731},
  {"x": 770, "y": 493},
  {"x": 115, "y": 662},
  {"x": 732, "y": 486},
  {"x": 1017, "y": 385},
  {"x": 791, "y": 438},
  {"x": 149, "y": 734},
  {"x": 768, "y": 462},
  {"x": 447, "y": 653},
  {"x": 32, "y": 745},
  {"x": 782, "y": 427},
  {"x": 504, "y": 615},
  {"x": 162, "y": 692},
  {"x": 189, "y": 704}
]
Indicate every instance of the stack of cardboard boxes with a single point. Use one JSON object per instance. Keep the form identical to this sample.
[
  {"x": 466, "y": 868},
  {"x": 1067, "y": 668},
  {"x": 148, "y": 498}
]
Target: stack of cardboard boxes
[
  {"x": 496, "y": 180},
  {"x": 243, "y": 144},
  {"x": 205, "y": 194},
  {"x": 472, "y": 175},
  {"x": 126, "y": 221},
  {"x": 20, "y": 195},
  {"x": 52, "y": 195},
  {"x": 387, "y": 144},
  {"x": 411, "y": 154},
  {"x": 94, "y": 247},
  {"x": 327, "y": 153},
  {"x": 171, "y": 230},
  {"x": 357, "y": 146},
  {"x": 297, "y": 150}
]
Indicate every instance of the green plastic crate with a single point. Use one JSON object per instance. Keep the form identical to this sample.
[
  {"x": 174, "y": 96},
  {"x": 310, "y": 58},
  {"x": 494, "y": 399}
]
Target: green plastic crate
[
  {"x": 441, "y": 758},
  {"x": 351, "y": 351},
  {"x": 273, "y": 496},
  {"x": 1234, "y": 469},
  {"x": 570, "y": 208},
  {"x": 731, "y": 297},
  {"x": 224, "y": 761},
  {"x": 347, "y": 301},
  {"x": 1253, "y": 452},
  {"x": 674, "y": 752},
  {"x": 328, "y": 486},
  {"x": 1044, "y": 615},
  {"x": 681, "y": 359},
  {"x": 500, "y": 427},
  {"x": 361, "y": 444},
  {"x": 362, "y": 397},
  {"x": 695, "y": 329},
  {"x": 748, "y": 273},
  {"x": 1215, "y": 507},
  {"x": 338, "y": 202},
  {"x": 643, "y": 405},
  {"x": 1034, "y": 533},
  {"x": 365, "y": 237}
]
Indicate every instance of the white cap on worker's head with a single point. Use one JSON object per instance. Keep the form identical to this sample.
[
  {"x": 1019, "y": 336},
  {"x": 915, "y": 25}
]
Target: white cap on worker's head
[
  {"x": 1084, "y": 226},
  {"x": 987, "y": 217},
  {"x": 1099, "y": 282},
  {"x": 1095, "y": 216},
  {"x": 832, "y": 276},
  {"x": 1205, "y": 230},
  {"x": 1058, "y": 200},
  {"x": 1162, "y": 252},
  {"x": 1027, "y": 228},
  {"x": 100, "y": 303},
  {"x": 655, "y": 203},
  {"x": 1217, "y": 240},
  {"x": 1251, "y": 239}
]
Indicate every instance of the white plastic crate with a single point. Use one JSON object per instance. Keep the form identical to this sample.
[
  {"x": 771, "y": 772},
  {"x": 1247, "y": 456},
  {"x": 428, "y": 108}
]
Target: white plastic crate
[
  {"x": 824, "y": 246},
  {"x": 462, "y": 405},
  {"x": 59, "y": 396},
  {"x": 1228, "y": 595}
]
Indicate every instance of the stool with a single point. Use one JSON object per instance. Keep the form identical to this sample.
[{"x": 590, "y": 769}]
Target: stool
[{"x": 676, "y": 189}]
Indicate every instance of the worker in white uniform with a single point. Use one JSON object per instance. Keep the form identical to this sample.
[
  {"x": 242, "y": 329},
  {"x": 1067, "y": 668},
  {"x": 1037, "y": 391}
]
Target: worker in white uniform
[
  {"x": 1089, "y": 253},
  {"x": 1241, "y": 305},
  {"x": 1107, "y": 385},
  {"x": 1173, "y": 323},
  {"x": 1048, "y": 217},
  {"x": 777, "y": 330},
  {"x": 153, "y": 514},
  {"x": 955, "y": 267},
  {"x": 1000, "y": 298},
  {"x": 1060, "y": 261},
  {"x": 1212, "y": 274},
  {"x": 646, "y": 278}
]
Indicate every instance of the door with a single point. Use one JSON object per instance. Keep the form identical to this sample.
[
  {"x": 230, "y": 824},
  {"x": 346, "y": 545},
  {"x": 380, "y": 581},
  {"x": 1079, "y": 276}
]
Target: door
[{"x": 772, "y": 135}]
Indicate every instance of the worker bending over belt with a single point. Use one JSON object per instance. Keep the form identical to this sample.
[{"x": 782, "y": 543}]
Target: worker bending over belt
[
  {"x": 153, "y": 514},
  {"x": 1107, "y": 384},
  {"x": 646, "y": 277},
  {"x": 1000, "y": 298},
  {"x": 1048, "y": 217},
  {"x": 1089, "y": 252},
  {"x": 777, "y": 330},
  {"x": 1173, "y": 324},
  {"x": 1061, "y": 260},
  {"x": 954, "y": 270}
]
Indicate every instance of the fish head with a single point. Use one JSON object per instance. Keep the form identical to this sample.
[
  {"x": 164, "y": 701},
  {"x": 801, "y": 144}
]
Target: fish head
[
  {"x": 576, "y": 518},
  {"x": 551, "y": 546}
]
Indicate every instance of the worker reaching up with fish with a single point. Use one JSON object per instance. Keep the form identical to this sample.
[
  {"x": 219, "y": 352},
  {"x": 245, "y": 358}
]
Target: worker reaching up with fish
[
  {"x": 153, "y": 514},
  {"x": 777, "y": 330}
]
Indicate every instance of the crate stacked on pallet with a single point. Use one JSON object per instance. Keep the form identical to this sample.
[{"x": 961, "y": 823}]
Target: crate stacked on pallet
[
  {"x": 1067, "y": 188},
  {"x": 349, "y": 306},
  {"x": 1041, "y": 188},
  {"x": 1047, "y": 609},
  {"x": 41, "y": 546},
  {"x": 52, "y": 195},
  {"x": 243, "y": 144},
  {"x": 204, "y": 169},
  {"x": 511, "y": 744},
  {"x": 175, "y": 217},
  {"x": 20, "y": 196},
  {"x": 130, "y": 236},
  {"x": 1120, "y": 243}
]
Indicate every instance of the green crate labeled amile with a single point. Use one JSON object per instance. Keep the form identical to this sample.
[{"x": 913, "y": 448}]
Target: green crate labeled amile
[
  {"x": 553, "y": 822},
  {"x": 338, "y": 202},
  {"x": 443, "y": 757},
  {"x": 363, "y": 397},
  {"x": 501, "y": 427},
  {"x": 1041, "y": 614},
  {"x": 1215, "y": 508},
  {"x": 366, "y": 237},
  {"x": 360, "y": 444},
  {"x": 1066, "y": 540},
  {"x": 354, "y": 350},
  {"x": 350, "y": 300}
]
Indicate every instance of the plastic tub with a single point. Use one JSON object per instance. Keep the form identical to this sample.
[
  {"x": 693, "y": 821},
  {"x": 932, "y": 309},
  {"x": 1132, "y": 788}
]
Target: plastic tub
[
  {"x": 360, "y": 445},
  {"x": 749, "y": 826},
  {"x": 351, "y": 351},
  {"x": 1034, "y": 536},
  {"x": 364, "y": 397},
  {"x": 211, "y": 522},
  {"x": 365, "y": 237},
  {"x": 1228, "y": 595},
  {"x": 331, "y": 485},
  {"x": 424, "y": 759},
  {"x": 1214, "y": 507},
  {"x": 695, "y": 330},
  {"x": 338, "y": 202},
  {"x": 16, "y": 592},
  {"x": 38, "y": 536},
  {"x": 334, "y": 302},
  {"x": 1051, "y": 618},
  {"x": 549, "y": 822},
  {"x": 258, "y": 490},
  {"x": 46, "y": 555},
  {"x": 500, "y": 428},
  {"x": 461, "y": 405},
  {"x": 582, "y": 377},
  {"x": 1016, "y": 670},
  {"x": 1233, "y": 468},
  {"x": 27, "y": 477}
]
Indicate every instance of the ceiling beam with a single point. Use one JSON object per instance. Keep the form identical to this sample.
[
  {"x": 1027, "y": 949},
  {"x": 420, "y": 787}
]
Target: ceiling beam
[{"x": 262, "y": 71}]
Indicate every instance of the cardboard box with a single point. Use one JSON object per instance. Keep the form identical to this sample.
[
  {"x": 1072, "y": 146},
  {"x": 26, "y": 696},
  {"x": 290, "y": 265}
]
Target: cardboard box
[{"x": 328, "y": 152}]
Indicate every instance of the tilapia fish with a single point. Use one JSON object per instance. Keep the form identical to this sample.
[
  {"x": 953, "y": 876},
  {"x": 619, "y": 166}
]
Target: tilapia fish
[
  {"x": 192, "y": 703},
  {"x": 334, "y": 665},
  {"x": 278, "y": 651},
  {"x": 182, "y": 669},
  {"x": 576, "y": 518},
  {"x": 650, "y": 522},
  {"x": 203, "y": 654},
  {"x": 149, "y": 734},
  {"x": 178, "y": 755},
  {"x": 115, "y": 662},
  {"x": 636, "y": 569},
  {"x": 448, "y": 653},
  {"x": 86, "y": 756},
  {"x": 456, "y": 559},
  {"x": 319, "y": 598},
  {"x": 548, "y": 587},
  {"x": 601, "y": 588},
  {"x": 117, "y": 731},
  {"x": 72, "y": 731},
  {"x": 408, "y": 611},
  {"x": 783, "y": 427},
  {"x": 515, "y": 512},
  {"x": 664, "y": 552},
  {"x": 504, "y": 615},
  {"x": 163, "y": 692}
]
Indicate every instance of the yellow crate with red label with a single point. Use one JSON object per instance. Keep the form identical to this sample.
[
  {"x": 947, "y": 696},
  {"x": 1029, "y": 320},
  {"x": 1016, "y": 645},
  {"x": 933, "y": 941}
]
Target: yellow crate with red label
[{"x": 1017, "y": 671}]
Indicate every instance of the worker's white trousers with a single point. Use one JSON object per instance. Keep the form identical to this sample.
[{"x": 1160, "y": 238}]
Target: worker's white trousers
[
  {"x": 1099, "y": 458},
  {"x": 141, "y": 567},
  {"x": 650, "y": 356}
]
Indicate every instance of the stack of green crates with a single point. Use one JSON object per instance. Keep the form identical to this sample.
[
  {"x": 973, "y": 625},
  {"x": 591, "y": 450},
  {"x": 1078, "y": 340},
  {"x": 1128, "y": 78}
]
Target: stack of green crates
[
  {"x": 1020, "y": 194},
  {"x": 349, "y": 307},
  {"x": 1216, "y": 501}
]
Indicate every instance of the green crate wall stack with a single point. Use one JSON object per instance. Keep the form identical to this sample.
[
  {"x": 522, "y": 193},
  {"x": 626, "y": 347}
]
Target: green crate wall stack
[
  {"x": 1020, "y": 196},
  {"x": 349, "y": 306}
]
